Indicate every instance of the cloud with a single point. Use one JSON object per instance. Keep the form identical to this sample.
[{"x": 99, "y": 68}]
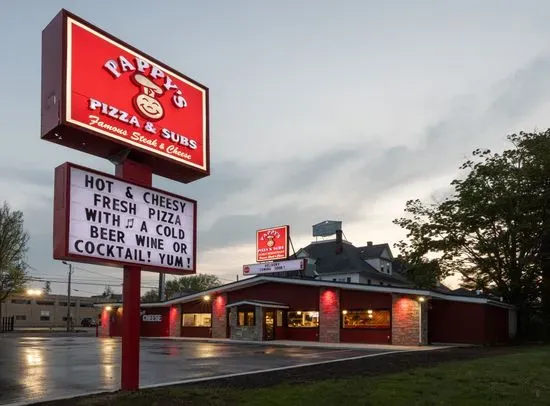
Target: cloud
[{"x": 343, "y": 182}]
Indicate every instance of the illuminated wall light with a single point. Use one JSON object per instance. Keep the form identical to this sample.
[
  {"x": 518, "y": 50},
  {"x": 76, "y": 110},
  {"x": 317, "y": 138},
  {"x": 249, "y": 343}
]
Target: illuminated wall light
[
  {"x": 298, "y": 313},
  {"x": 369, "y": 311},
  {"x": 206, "y": 298},
  {"x": 108, "y": 308},
  {"x": 421, "y": 299},
  {"x": 344, "y": 312}
]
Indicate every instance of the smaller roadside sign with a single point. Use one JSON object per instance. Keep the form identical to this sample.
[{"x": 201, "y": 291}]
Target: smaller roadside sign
[{"x": 272, "y": 267}]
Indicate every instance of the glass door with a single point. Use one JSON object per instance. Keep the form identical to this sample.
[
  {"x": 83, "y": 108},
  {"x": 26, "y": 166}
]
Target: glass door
[{"x": 269, "y": 325}]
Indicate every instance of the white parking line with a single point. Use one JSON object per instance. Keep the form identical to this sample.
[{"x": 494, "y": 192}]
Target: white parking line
[{"x": 212, "y": 378}]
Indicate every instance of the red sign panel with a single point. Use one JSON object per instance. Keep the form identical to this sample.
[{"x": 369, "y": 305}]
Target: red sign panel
[
  {"x": 104, "y": 220},
  {"x": 272, "y": 243},
  {"x": 124, "y": 99}
]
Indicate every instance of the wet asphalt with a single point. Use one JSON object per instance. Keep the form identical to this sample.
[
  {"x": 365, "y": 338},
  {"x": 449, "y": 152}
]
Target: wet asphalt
[{"x": 40, "y": 368}]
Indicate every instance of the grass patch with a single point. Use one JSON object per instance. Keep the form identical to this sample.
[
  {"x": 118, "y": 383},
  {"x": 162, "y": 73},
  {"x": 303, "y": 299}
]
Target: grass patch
[{"x": 522, "y": 378}]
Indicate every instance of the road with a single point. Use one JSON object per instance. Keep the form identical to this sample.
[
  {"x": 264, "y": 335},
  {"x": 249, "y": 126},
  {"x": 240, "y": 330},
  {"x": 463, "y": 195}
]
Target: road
[{"x": 39, "y": 368}]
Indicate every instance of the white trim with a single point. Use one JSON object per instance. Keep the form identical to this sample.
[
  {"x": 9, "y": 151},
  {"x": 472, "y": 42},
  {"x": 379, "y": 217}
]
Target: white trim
[
  {"x": 258, "y": 304},
  {"x": 68, "y": 98},
  {"x": 342, "y": 285}
]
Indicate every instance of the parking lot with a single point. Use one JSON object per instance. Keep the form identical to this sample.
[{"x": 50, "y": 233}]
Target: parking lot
[{"x": 38, "y": 368}]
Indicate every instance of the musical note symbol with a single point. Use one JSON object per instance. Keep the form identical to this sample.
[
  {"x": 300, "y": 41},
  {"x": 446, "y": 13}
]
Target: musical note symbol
[{"x": 130, "y": 223}]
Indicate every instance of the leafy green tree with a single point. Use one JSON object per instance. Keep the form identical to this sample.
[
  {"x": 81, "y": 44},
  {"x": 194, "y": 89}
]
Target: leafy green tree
[
  {"x": 196, "y": 283},
  {"x": 494, "y": 228},
  {"x": 151, "y": 296},
  {"x": 13, "y": 250}
]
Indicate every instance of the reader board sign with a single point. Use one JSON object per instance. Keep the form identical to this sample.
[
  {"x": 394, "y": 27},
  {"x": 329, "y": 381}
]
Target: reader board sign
[
  {"x": 100, "y": 95},
  {"x": 270, "y": 267},
  {"x": 272, "y": 243},
  {"x": 103, "y": 220}
]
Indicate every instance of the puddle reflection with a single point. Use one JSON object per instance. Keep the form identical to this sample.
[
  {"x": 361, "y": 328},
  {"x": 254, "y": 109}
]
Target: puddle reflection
[{"x": 35, "y": 374}]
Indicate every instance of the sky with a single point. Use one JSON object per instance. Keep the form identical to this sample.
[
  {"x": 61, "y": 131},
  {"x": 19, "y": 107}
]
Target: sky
[{"x": 319, "y": 110}]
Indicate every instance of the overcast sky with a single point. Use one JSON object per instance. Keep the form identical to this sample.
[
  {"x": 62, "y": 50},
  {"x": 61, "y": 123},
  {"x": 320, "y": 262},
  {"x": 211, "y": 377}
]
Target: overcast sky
[{"x": 319, "y": 110}]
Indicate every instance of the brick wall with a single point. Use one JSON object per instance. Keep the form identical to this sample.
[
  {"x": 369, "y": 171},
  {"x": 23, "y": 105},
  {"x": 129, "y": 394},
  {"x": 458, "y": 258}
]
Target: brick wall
[
  {"x": 219, "y": 318},
  {"x": 329, "y": 315},
  {"x": 405, "y": 321},
  {"x": 175, "y": 321}
]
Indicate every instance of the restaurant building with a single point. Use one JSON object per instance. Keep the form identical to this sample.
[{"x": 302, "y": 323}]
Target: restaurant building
[{"x": 344, "y": 295}]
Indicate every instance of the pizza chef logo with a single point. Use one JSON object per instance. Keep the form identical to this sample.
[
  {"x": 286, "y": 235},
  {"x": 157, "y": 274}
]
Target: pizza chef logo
[
  {"x": 270, "y": 238},
  {"x": 145, "y": 102}
]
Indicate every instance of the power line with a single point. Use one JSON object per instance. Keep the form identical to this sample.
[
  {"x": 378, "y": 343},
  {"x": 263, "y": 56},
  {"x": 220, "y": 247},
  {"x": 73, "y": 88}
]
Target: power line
[{"x": 97, "y": 273}]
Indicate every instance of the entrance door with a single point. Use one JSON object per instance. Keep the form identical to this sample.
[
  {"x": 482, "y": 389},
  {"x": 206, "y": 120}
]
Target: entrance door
[{"x": 269, "y": 325}]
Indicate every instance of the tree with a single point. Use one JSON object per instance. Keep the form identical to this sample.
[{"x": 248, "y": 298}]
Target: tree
[
  {"x": 491, "y": 228},
  {"x": 422, "y": 273},
  {"x": 108, "y": 292},
  {"x": 151, "y": 296},
  {"x": 13, "y": 250},
  {"x": 47, "y": 288},
  {"x": 197, "y": 283}
]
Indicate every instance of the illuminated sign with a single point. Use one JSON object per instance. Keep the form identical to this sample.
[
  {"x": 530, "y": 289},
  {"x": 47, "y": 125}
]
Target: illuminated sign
[
  {"x": 100, "y": 95},
  {"x": 271, "y": 267},
  {"x": 272, "y": 243},
  {"x": 104, "y": 220},
  {"x": 154, "y": 318}
]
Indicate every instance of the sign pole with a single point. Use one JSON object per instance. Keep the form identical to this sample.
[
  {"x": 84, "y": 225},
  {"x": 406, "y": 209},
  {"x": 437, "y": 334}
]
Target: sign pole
[
  {"x": 130, "y": 328},
  {"x": 134, "y": 172}
]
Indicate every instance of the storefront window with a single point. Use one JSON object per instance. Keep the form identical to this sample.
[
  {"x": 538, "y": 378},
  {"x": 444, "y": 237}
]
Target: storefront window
[
  {"x": 197, "y": 320},
  {"x": 279, "y": 318},
  {"x": 366, "y": 318},
  {"x": 303, "y": 319},
  {"x": 246, "y": 319}
]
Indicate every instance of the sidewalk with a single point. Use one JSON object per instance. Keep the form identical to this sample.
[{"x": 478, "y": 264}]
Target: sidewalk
[
  {"x": 55, "y": 331},
  {"x": 311, "y": 344}
]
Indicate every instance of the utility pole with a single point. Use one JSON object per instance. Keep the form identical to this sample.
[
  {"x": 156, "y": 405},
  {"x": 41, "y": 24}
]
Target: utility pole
[
  {"x": 162, "y": 287},
  {"x": 69, "y": 297}
]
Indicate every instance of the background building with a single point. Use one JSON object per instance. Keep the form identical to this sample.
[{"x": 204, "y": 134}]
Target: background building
[{"x": 48, "y": 310}]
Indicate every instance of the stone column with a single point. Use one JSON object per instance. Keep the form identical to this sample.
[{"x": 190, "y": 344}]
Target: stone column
[
  {"x": 406, "y": 321},
  {"x": 175, "y": 321},
  {"x": 233, "y": 323},
  {"x": 258, "y": 334},
  {"x": 329, "y": 315},
  {"x": 219, "y": 318}
]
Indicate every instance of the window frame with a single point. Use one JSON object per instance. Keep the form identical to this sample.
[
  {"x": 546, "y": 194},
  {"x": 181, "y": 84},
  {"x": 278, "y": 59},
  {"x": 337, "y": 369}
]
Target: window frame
[
  {"x": 302, "y": 311},
  {"x": 246, "y": 312},
  {"x": 202, "y": 313},
  {"x": 379, "y": 309}
]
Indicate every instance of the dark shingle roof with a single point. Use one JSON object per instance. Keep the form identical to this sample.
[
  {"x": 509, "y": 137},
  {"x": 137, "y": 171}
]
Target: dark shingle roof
[
  {"x": 349, "y": 260},
  {"x": 373, "y": 251}
]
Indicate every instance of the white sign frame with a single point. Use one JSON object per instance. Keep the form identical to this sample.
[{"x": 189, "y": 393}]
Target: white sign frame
[{"x": 104, "y": 220}]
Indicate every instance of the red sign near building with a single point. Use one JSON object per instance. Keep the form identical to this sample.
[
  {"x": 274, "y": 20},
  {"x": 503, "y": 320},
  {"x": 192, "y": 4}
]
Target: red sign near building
[
  {"x": 272, "y": 243},
  {"x": 101, "y": 96}
]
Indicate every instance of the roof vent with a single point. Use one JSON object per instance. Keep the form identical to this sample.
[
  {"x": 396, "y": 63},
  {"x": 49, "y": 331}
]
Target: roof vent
[{"x": 369, "y": 243}]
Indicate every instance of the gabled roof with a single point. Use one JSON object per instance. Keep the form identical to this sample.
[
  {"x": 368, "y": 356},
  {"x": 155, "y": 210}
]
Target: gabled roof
[
  {"x": 259, "y": 303},
  {"x": 328, "y": 261},
  {"x": 373, "y": 251}
]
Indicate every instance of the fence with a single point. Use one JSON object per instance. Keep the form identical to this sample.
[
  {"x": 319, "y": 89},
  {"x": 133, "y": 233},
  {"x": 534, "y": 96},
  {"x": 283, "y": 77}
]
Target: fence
[{"x": 6, "y": 323}]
